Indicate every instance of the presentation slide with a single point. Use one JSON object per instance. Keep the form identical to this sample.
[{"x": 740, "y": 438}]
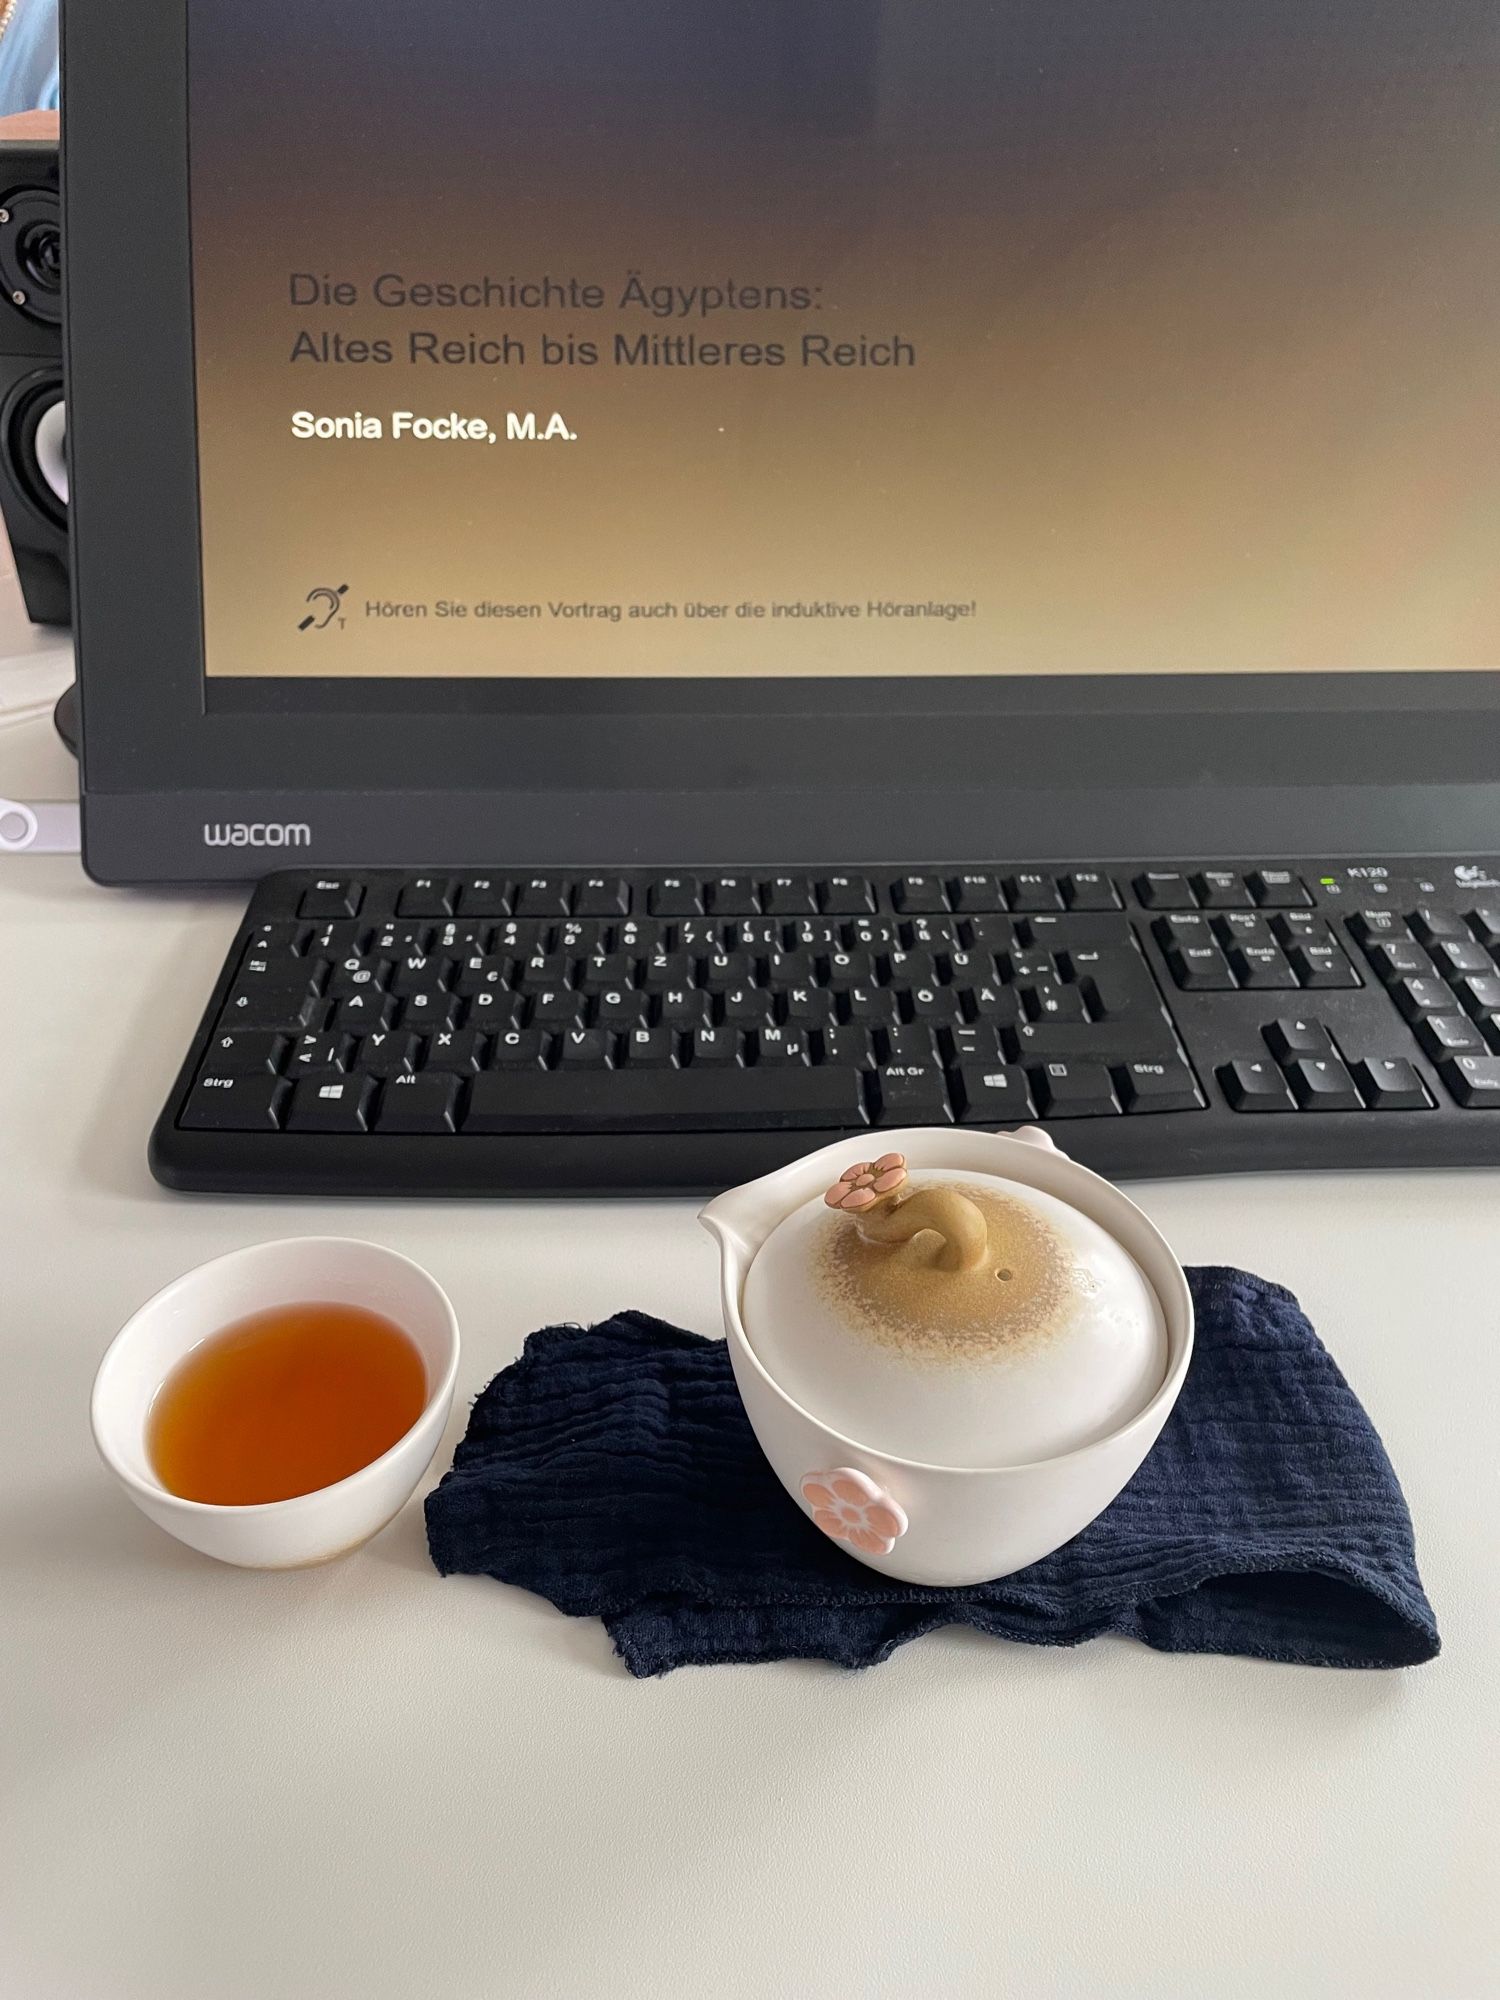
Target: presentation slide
[{"x": 821, "y": 338}]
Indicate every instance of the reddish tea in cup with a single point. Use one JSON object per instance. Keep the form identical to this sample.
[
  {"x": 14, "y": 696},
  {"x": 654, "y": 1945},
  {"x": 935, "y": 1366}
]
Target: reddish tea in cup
[{"x": 284, "y": 1402}]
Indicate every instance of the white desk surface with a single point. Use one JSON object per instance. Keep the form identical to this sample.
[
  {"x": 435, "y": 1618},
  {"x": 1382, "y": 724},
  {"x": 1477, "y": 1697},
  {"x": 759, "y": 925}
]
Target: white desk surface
[{"x": 364, "y": 1781}]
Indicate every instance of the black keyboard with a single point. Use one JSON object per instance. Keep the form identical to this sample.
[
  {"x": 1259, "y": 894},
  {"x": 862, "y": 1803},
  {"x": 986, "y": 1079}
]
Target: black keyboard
[{"x": 488, "y": 1033}]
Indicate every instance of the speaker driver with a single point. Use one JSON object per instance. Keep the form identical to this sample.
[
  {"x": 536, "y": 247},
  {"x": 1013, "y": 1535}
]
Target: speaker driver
[
  {"x": 49, "y": 443},
  {"x": 33, "y": 428},
  {"x": 31, "y": 253}
]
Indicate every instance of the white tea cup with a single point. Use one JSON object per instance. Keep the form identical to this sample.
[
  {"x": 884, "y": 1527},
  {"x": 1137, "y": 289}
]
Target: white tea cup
[{"x": 333, "y": 1270}]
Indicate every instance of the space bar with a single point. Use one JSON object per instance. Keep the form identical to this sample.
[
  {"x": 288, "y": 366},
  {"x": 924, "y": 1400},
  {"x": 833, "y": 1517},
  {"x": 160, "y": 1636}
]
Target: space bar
[{"x": 665, "y": 1100}]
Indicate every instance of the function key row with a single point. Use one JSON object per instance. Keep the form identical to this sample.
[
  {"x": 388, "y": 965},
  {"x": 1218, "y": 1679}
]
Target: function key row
[
  {"x": 741, "y": 895},
  {"x": 975, "y": 892}
]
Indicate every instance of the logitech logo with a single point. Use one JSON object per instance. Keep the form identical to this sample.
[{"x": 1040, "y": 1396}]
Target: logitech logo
[{"x": 258, "y": 833}]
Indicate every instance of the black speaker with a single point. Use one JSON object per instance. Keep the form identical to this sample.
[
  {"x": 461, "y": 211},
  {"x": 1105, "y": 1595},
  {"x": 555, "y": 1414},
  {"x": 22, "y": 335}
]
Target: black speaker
[{"x": 33, "y": 421}]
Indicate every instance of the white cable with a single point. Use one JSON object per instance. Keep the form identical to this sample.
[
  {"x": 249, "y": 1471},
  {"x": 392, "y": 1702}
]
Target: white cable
[{"x": 43, "y": 828}]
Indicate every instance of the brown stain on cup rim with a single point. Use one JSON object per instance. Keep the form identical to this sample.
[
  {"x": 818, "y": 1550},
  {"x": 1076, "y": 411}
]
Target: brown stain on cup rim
[{"x": 1019, "y": 1296}]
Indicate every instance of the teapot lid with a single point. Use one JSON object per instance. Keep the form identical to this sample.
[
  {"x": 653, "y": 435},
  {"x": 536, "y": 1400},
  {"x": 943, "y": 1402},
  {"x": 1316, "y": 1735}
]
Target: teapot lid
[{"x": 959, "y": 1321}]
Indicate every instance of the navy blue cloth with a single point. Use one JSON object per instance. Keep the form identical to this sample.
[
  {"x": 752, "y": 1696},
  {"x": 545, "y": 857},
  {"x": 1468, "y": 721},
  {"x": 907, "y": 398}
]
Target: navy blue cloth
[{"x": 612, "y": 1470}]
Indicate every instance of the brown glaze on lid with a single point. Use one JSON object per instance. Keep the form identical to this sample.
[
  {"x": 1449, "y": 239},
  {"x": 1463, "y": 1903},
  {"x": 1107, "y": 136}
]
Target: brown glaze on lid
[{"x": 918, "y": 1291}]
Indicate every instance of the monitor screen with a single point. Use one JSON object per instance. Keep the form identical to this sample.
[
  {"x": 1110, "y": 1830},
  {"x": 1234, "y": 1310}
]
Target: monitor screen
[{"x": 827, "y": 338}]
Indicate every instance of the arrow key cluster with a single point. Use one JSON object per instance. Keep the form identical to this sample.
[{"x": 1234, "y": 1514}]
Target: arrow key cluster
[{"x": 1305, "y": 1071}]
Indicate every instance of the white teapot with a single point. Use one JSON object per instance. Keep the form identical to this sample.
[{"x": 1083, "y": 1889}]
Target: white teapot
[{"x": 955, "y": 1354}]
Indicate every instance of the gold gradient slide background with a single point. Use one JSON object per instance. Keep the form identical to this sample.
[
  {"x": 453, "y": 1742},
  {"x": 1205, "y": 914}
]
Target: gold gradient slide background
[{"x": 1207, "y": 359}]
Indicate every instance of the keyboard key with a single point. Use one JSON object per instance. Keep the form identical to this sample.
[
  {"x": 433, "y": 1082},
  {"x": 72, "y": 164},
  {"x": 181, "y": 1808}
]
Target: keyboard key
[
  {"x": 1162, "y": 889},
  {"x": 562, "y": 1007},
  {"x": 484, "y": 896},
  {"x": 788, "y": 896},
  {"x": 1075, "y": 1090},
  {"x": 1221, "y": 889},
  {"x": 388, "y": 1054},
  {"x": 733, "y": 896},
  {"x": 990, "y": 1096},
  {"x": 1159, "y": 1086},
  {"x": 270, "y": 1009},
  {"x": 1400, "y": 958},
  {"x": 675, "y": 896},
  {"x": 1089, "y": 889},
  {"x": 431, "y": 1008},
  {"x": 713, "y": 1046},
  {"x": 585, "y": 1048},
  {"x": 353, "y": 975},
  {"x": 543, "y": 896},
  {"x": 1433, "y": 926},
  {"x": 976, "y": 895},
  {"x": 1480, "y": 993},
  {"x": 461, "y": 1050},
  {"x": 1321, "y": 1083},
  {"x": 602, "y": 896},
  {"x": 427, "y": 896},
  {"x": 1279, "y": 889},
  {"x": 1138, "y": 1039},
  {"x": 1243, "y": 927},
  {"x": 327, "y": 1102},
  {"x": 219, "y": 1103},
  {"x": 363, "y": 1012},
  {"x": 908, "y": 1046},
  {"x": 417, "y": 973},
  {"x": 1455, "y": 957},
  {"x": 846, "y": 896},
  {"x": 1288, "y": 1039},
  {"x": 318, "y": 1052},
  {"x": 1201, "y": 968},
  {"x": 1050, "y": 1000},
  {"x": 1290, "y": 927},
  {"x": 1486, "y": 923},
  {"x": 1416, "y": 997},
  {"x": 1320, "y": 965},
  {"x": 974, "y": 1042},
  {"x": 331, "y": 898},
  {"x": 1029, "y": 890},
  {"x": 1372, "y": 927},
  {"x": 518, "y": 1048},
  {"x": 911, "y": 1095},
  {"x": 847, "y": 1047},
  {"x": 486, "y": 1011},
  {"x": 1450, "y": 1035},
  {"x": 648, "y": 1048},
  {"x": 1474, "y": 1081},
  {"x": 783, "y": 1045},
  {"x": 246, "y": 1053},
  {"x": 1256, "y": 1086},
  {"x": 1262, "y": 966},
  {"x": 419, "y": 1104},
  {"x": 786, "y": 1097},
  {"x": 918, "y": 895},
  {"x": 1173, "y": 933},
  {"x": 1391, "y": 1084}
]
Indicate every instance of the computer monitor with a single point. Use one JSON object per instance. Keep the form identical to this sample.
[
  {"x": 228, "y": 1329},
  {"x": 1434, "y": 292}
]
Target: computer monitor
[{"x": 828, "y": 430}]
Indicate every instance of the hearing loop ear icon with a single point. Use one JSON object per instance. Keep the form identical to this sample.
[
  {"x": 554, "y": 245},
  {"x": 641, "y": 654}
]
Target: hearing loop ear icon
[{"x": 326, "y": 605}]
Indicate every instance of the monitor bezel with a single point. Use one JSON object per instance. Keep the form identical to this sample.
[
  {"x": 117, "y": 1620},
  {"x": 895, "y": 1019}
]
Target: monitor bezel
[{"x": 590, "y": 771}]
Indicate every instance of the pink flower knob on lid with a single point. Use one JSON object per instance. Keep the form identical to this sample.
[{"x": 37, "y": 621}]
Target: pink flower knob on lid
[
  {"x": 861, "y": 1186},
  {"x": 848, "y": 1507}
]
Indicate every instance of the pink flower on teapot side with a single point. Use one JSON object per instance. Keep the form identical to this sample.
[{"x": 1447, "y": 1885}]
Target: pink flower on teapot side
[{"x": 848, "y": 1507}]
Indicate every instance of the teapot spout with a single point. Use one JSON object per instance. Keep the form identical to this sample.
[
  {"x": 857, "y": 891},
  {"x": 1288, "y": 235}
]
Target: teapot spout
[{"x": 727, "y": 1222}]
